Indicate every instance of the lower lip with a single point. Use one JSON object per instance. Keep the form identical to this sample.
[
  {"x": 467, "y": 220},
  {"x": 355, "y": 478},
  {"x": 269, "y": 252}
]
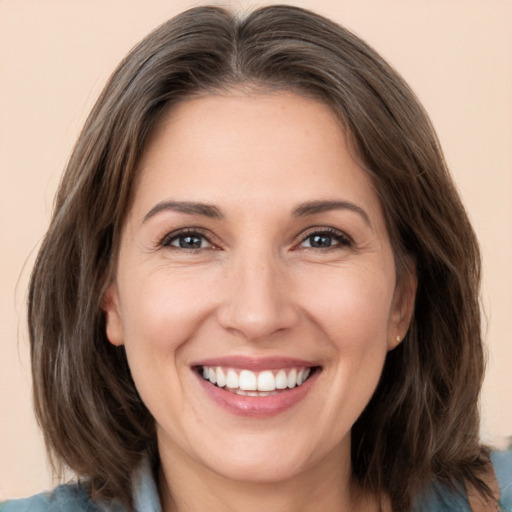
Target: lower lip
[{"x": 257, "y": 406}]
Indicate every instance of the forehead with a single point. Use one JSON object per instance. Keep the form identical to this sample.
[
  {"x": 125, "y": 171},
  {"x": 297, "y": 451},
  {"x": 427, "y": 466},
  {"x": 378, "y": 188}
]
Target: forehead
[{"x": 251, "y": 148}]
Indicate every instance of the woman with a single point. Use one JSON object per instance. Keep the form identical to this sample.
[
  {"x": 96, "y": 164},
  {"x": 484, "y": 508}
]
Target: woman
[{"x": 259, "y": 287}]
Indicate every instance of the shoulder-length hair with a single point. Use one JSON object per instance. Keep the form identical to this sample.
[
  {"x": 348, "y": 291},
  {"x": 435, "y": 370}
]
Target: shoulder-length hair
[{"x": 421, "y": 425}]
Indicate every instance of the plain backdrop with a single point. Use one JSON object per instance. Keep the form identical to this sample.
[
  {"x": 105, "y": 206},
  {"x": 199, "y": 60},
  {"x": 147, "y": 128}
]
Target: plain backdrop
[{"x": 55, "y": 56}]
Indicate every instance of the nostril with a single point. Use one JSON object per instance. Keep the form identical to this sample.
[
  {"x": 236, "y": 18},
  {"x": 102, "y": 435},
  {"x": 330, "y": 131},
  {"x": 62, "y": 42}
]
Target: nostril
[{"x": 256, "y": 321}]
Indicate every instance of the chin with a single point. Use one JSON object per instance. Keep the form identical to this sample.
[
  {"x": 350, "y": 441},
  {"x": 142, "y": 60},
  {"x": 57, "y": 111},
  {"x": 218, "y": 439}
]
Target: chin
[
  {"x": 262, "y": 470},
  {"x": 268, "y": 459}
]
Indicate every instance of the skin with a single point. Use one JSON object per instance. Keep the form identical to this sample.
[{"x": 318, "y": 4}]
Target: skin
[{"x": 256, "y": 287}]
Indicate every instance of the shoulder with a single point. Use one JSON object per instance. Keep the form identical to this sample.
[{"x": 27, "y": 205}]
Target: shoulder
[
  {"x": 76, "y": 497},
  {"x": 441, "y": 499},
  {"x": 502, "y": 463},
  {"x": 65, "y": 498}
]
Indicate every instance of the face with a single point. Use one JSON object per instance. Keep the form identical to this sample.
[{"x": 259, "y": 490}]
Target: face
[{"x": 255, "y": 291}]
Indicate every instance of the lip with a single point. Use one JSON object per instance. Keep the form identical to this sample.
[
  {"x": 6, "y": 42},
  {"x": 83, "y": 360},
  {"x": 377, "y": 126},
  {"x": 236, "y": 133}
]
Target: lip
[
  {"x": 256, "y": 363},
  {"x": 257, "y": 406}
]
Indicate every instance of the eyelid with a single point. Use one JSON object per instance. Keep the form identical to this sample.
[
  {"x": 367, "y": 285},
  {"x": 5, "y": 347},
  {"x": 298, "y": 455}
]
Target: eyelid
[
  {"x": 165, "y": 241},
  {"x": 344, "y": 239}
]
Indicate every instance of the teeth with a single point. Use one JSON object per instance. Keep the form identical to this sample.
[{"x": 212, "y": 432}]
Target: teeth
[
  {"x": 221, "y": 380},
  {"x": 266, "y": 381},
  {"x": 253, "y": 393},
  {"x": 248, "y": 383},
  {"x": 281, "y": 380},
  {"x": 232, "y": 379},
  {"x": 292, "y": 378}
]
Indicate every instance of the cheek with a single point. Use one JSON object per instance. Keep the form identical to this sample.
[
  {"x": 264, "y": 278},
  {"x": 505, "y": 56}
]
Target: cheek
[
  {"x": 160, "y": 316},
  {"x": 350, "y": 314},
  {"x": 157, "y": 321},
  {"x": 160, "y": 310},
  {"x": 352, "y": 305}
]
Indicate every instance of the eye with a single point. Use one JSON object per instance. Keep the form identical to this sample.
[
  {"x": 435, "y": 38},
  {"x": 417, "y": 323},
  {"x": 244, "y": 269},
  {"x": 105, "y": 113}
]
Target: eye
[
  {"x": 325, "y": 239},
  {"x": 186, "y": 240}
]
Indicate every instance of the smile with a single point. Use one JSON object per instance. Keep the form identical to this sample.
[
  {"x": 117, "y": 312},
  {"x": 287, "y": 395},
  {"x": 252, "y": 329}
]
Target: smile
[
  {"x": 249, "y": 383},
  {"x": 256, "y": 387}
]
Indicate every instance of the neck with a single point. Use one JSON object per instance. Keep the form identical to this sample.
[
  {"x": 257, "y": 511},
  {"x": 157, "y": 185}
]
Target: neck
[{"x": 325, "y": 486}]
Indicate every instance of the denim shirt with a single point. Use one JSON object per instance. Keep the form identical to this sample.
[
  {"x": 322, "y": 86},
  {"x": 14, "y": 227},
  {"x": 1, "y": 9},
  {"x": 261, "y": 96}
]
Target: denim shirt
[{"x": 74, "y": 498}]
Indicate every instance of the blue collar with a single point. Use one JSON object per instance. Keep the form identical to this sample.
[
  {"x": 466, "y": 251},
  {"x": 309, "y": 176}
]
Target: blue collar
[{"x": 145, "y": 492}]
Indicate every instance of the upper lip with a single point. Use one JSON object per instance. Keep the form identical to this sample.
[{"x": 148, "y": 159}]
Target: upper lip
[{"x": 256, "y": 363}]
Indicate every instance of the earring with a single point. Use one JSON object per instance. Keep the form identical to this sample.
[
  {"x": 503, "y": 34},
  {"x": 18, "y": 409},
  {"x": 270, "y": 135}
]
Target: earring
[{"x": 398, "y": 339}]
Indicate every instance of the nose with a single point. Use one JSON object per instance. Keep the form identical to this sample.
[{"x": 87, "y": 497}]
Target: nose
[{"x": 259, "y": 300}]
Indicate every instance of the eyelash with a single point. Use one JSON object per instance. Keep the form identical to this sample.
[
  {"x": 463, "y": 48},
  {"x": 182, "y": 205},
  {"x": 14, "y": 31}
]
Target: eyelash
[
  {"x": 340, "y": 239},
  {"x": 166, "y": 241}
]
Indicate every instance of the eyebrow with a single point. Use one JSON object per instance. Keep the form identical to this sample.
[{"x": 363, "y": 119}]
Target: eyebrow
[
  {"x": 314, "y": 207},
  {"x": 188, "y": 207},
  {"x": 211, "y": 211}
]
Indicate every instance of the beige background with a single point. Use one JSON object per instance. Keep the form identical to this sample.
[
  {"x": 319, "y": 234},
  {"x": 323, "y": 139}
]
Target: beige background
[{"x": 56, "y": 55}]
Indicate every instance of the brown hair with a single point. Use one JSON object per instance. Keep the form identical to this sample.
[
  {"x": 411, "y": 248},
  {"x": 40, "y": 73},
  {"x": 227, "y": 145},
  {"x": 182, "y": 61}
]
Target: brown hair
[{"x": 421, "y": 425}]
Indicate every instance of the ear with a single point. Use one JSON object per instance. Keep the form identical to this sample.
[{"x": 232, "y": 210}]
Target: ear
[
  {"x": 403, "y": 306},
  {"x": 113, "y": 320}
]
